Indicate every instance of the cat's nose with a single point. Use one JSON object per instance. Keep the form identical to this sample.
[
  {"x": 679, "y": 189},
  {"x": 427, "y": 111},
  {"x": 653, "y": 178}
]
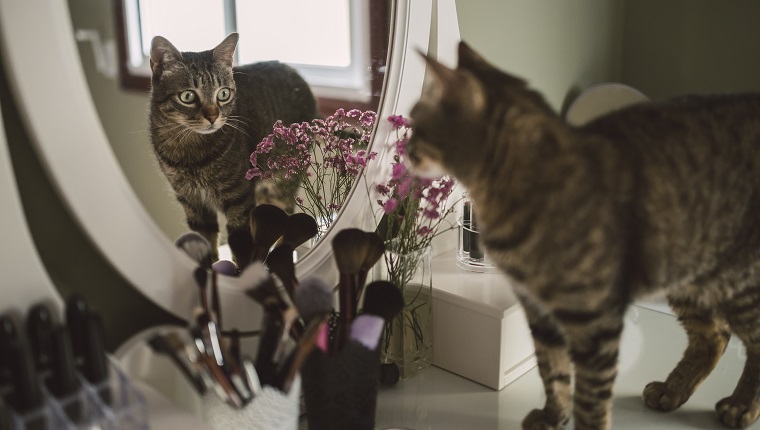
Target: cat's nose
[{"x": 211, "y": 113}]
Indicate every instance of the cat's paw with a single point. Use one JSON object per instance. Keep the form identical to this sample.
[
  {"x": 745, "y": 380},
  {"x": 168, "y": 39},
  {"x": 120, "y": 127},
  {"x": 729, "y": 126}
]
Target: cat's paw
[
  {"x": 736, "y": 414},
  {"x": 658, "y": 396},
  {"x": 541, "y": 419}
]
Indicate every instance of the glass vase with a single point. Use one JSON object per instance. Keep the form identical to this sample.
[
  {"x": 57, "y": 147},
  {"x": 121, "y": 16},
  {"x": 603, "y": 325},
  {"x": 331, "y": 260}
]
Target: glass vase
[{"x": 407, "y": 339}]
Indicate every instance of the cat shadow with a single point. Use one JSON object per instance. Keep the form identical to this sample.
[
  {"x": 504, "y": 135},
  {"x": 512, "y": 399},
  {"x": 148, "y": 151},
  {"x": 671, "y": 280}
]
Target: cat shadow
[{"x": 631, "y": 409}]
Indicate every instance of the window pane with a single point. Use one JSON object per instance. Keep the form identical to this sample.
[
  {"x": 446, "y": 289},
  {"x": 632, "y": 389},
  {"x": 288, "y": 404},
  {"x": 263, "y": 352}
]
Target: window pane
[
  {"x": 295, "y": 31},
  {"x": 191, "y": 25}
]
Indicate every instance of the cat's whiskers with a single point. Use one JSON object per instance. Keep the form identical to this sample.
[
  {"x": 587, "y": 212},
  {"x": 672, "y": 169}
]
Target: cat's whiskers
[
  {"x": 237, "y": 121},
  {"x": 180, "y": 137},
  {"x": 236, "y": 127}
]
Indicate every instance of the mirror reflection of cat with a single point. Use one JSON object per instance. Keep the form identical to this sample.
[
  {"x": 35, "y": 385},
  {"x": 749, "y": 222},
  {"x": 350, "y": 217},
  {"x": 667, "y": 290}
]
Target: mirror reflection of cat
[{"x": 205, "y": 119}]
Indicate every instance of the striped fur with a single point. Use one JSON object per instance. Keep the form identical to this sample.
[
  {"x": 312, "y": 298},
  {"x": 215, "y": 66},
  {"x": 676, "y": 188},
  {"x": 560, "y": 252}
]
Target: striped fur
[
  {"x": 203, "y": 147},
  {"x": 654, "y": 196}
]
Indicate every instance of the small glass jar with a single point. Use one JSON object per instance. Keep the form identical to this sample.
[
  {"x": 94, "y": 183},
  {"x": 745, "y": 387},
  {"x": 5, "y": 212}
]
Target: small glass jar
[{"x": 470, "y": 253}]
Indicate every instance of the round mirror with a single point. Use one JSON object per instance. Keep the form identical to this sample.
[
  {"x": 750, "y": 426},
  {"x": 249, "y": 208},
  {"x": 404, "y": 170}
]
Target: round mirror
[
  {"x": 340, "y": 50},
  {"x": 48, "y": 81}
]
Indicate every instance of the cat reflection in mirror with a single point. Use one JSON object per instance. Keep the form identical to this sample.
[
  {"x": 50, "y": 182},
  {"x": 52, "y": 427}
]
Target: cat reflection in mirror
[
  {"x": 584, "y": 220},
  {"x": 206, "y": 118}
]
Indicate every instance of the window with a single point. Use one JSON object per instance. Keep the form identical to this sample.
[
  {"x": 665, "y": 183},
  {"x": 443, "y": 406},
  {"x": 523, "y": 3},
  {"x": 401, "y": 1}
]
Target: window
[{"x": 339, "y": 46}]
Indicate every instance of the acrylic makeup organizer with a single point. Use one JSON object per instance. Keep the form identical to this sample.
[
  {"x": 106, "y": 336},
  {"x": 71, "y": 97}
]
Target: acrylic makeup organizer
[
  {"x": 48, "y": 384},
  {"x": 126, "y": 411},
  {"x": 470, "y": 253}
]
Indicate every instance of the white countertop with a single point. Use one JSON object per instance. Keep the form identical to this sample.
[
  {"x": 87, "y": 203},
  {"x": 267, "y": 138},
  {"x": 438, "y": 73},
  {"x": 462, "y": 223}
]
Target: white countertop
[
  {"x": 487, "y": 293},
  {"x": 652, "y": 345}
]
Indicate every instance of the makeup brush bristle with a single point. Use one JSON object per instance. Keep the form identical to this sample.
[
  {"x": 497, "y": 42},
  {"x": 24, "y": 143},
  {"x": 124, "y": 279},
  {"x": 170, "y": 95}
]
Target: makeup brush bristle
[
  {"x": 197, "y": 247},
  {"x": 375, "y": 247},
  {"x": 254, "y": 275},
  {"x": 349, "y": 250},
  {"x": 241, "y": 245},
  {"x": 259, "y": 285},
  {"x": 299, "y": 228},
  {"x": 375, "y": 250},
  {"x": 383, "y": 299},
  {"x": 267, "y": 225},
  {"x": 225, "y": 267},
  {"x": 313, "y": 297}
]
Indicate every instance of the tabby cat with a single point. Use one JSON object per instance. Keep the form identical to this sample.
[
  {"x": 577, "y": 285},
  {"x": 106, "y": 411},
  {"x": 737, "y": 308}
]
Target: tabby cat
[
  {"x": 206, "y": 117},
  {"x": 653, "y": 196}
]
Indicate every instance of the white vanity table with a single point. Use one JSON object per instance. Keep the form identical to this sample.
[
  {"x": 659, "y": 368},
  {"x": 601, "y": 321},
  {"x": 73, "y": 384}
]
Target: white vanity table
[{"x": 652, "y": 345}]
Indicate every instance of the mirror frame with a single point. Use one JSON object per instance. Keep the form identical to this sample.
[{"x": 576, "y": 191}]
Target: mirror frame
[{"x": 47, "y": 79}]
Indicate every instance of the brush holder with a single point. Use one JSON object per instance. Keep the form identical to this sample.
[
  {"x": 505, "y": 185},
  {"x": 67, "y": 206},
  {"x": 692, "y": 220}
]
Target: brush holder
[
  {"x": 470, "y": 253},
  {"x": 340, "y": 390},
  {"x": 271, "y": 409}
]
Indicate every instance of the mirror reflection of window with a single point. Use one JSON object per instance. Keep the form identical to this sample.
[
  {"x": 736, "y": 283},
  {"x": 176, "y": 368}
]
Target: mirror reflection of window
[{"x": 327, "y": 41}]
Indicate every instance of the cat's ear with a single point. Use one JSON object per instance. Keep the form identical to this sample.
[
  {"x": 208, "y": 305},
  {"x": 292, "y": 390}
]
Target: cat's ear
[
  {"x": 163, "y": 54},
  {"x": 225, "y": 52},
  {"x": 469, "y": 59}
]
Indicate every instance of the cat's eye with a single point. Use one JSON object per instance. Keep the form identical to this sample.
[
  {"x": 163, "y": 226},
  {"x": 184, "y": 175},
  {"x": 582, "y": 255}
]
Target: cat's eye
[
  {"x": 187, "y": 97},
  {"x": 224, "y": 94}
]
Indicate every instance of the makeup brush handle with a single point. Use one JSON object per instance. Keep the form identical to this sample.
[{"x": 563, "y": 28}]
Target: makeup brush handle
[
  {"x": 305, "y": 346},
  {"x": 347, "y": 302},
  {"x": 271, "y": 334}
]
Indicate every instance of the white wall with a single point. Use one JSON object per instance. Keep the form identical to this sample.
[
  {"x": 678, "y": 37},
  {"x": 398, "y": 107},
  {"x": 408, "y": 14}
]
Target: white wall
[
  {"x": 677, "y": 47},
  {"x": 663, "y": 48},
  {"x": 558, "y": 46}
]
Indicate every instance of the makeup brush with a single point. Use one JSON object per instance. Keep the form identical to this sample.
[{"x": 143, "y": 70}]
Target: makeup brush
[
  {"x": 225, "y": 267},
  {"x": 382, "y": 298},
  {"x": 279, "y": 315},
  {"x": 267, "y": 225},
  {"x": 260, "y": 286},
  {"x": 172, "y": 346},
  {"x": 216, "y": 301},
  {"x": 313, "y": 298},
  {"x": 301, "y": 353},
  {"x": 252, "y": 376},
  {"x": 280, "y": 262},
  {"x": 349, "y": 250},
  {"x": 375, "y": 249},
  {"x": 299, "y": 228},
  {"x": 241, "y": 245},
  {"x": 382, "y": 301},
  {"x": 216, "y": 377},
  {"x": 197, "y": 248},
  {"x": 201, "y": 279},
  {"x": 228, "y": 380}
]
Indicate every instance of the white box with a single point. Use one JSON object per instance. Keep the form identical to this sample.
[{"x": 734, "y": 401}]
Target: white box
[{"x": 479, "y": 328}]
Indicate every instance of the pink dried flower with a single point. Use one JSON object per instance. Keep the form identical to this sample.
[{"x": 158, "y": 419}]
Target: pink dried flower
[
  {"x": 398, "y": 121},
  {"x": 390, "y": 205},
  {"x": 329, "y": 151},
  {"x": 419, "y": 204}
]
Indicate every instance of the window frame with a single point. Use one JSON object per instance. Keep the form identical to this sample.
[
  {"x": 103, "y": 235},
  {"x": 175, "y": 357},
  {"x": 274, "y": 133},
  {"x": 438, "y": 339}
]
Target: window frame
[{"x": 378, "y": 35}]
